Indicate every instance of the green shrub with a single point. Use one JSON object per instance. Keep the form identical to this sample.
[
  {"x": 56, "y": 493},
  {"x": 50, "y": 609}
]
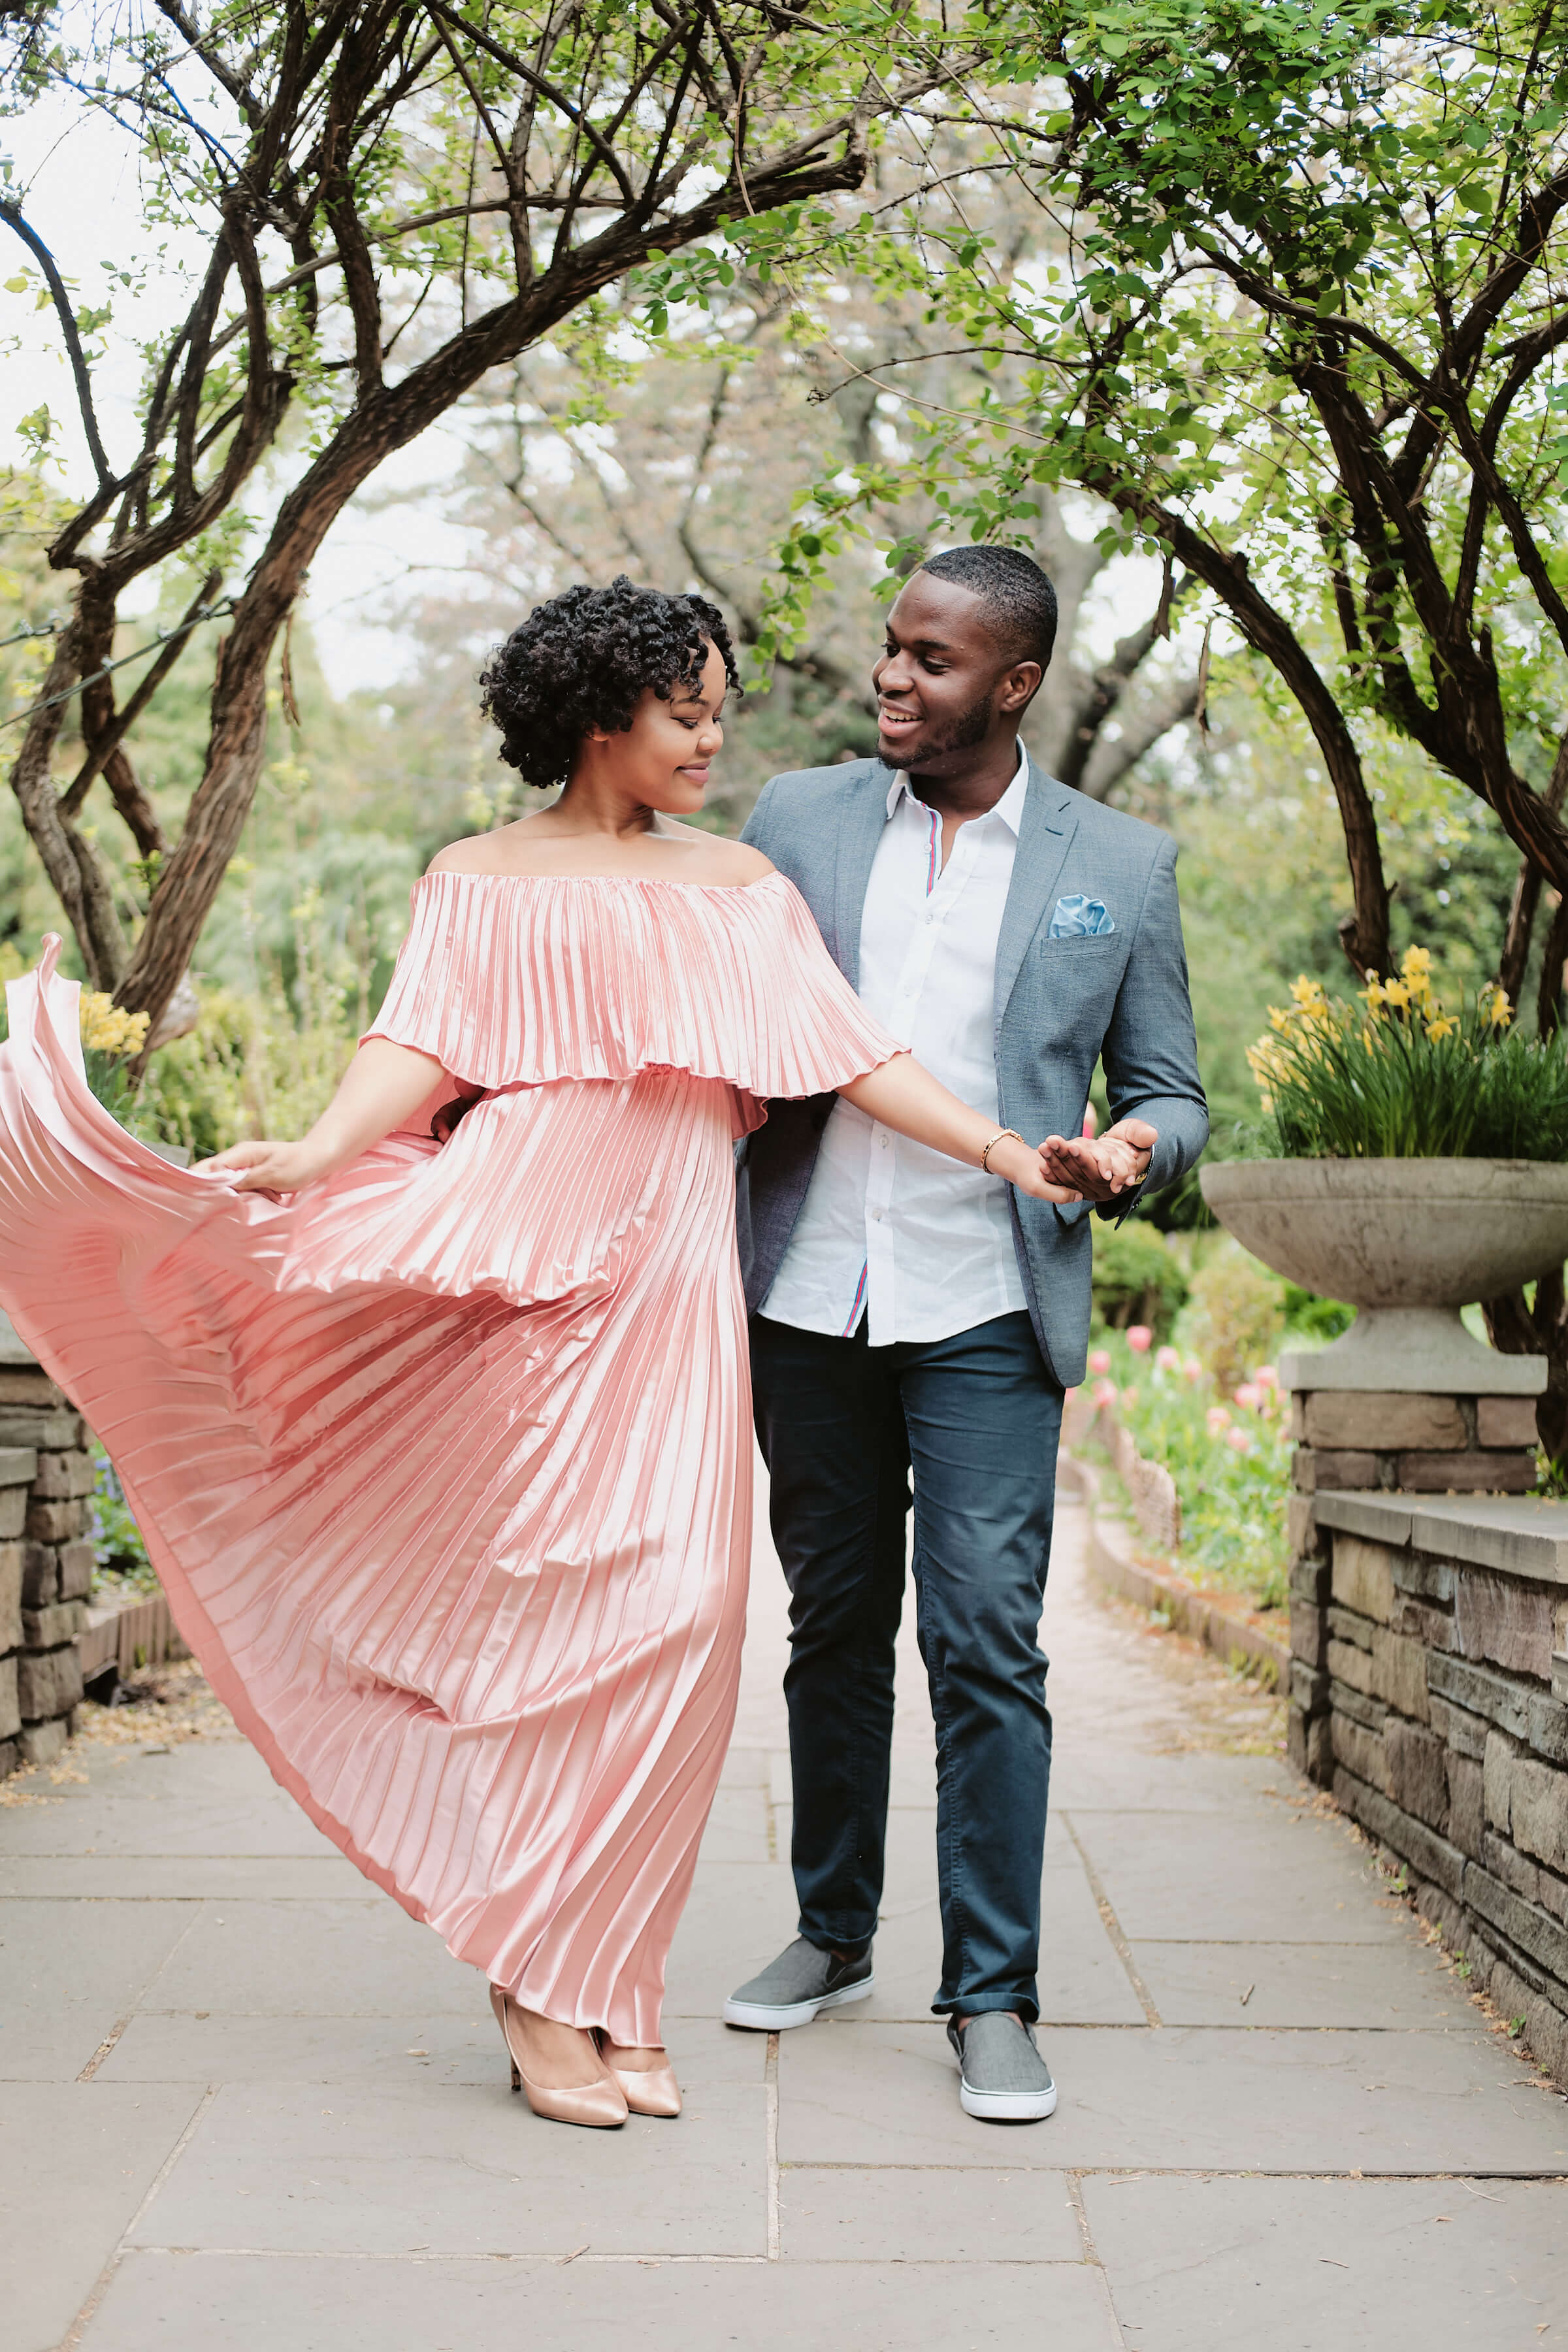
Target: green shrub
[
  {"x": 1235, "y": 1319},
  {"x": 119, "y": 1554},
  {"x": 1138, "y": 1278},
  {"x": 1308, "y": 1317}
]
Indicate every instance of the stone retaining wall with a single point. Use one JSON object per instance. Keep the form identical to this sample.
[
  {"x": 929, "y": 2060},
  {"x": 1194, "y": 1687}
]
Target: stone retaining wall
[
  {"x": 46, "y": 1560},
  {"x": 1429, "y": 1690}
]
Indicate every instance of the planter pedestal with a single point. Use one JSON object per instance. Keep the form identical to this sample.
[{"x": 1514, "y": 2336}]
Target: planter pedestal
[{"x": 1416, "y": 1351}]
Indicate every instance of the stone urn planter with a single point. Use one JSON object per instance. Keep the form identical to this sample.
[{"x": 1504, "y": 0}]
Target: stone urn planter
[{"x": 1407, "y": 1243}]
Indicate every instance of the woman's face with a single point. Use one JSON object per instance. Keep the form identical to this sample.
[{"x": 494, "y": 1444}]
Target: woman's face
[{"x": 663, "y": 757}]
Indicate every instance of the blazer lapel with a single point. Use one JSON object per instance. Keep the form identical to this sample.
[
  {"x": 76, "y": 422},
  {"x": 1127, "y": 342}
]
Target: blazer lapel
[
  {"x": 861, "y": 826},
  {"x": 1050, "y": 821}
]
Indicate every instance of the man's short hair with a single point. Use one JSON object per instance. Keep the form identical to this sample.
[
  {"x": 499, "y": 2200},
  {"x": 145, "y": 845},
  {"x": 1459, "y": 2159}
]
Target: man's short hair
[{"x": 1019, "y": 601}]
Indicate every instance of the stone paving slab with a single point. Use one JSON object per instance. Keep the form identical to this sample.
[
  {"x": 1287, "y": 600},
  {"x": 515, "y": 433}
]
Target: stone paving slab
[
  {"x": 1274, "y": 1876},
  {"x": 1092, "y": 1774},
  {"x": 311, "y": 1959},
  {"x": 904, "y": 2215},
  {"x": 78, "y": 2160},
  {"x": 1374, "y": 1985},
  {"x": 440, "y": 2168},
  {"x": 185, "y": 1878},
  {"x": 1307, "y": 2265},
  {"x": 376, "y": 2053},
  {"x": 1182, "y": 2098},
  {"x": 223, "y": 2303},
  {"x": 738, "y": 1828},
  {"x": 68, "y": 1973},
  {"x": 119, "y": 1829}
]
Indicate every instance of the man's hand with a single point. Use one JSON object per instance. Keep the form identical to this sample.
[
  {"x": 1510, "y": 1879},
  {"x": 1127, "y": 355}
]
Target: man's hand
[{"x": 1100, "y": 1168}]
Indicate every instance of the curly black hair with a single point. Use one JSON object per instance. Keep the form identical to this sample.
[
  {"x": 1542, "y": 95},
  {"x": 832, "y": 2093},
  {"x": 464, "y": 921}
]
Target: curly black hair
[{"x": 582, "y": 660}]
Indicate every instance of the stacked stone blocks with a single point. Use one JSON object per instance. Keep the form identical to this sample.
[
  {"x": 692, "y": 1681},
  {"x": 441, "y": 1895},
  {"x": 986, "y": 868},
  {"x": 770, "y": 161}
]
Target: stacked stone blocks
[
  {"x": 1429, "y": 1690},
  {"x": 1352, "y": 1440},
  {"x": 46, "y": 1560}
]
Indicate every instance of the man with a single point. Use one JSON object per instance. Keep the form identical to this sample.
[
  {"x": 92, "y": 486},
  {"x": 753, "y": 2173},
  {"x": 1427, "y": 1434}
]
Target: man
[{"x": 909, "y": 1315}]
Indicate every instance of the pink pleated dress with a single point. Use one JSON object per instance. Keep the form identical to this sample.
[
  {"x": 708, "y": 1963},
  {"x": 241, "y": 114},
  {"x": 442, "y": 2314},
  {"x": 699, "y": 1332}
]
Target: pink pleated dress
[{"x": 445, "y": 1462}]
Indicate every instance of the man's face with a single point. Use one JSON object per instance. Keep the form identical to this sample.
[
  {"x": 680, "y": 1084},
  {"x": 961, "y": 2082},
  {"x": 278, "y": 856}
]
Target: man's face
[{"x": 946, "y": 681}]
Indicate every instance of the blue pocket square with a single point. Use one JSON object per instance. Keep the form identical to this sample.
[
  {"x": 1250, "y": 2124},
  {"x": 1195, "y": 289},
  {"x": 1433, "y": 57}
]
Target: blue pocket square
[{"x": 1078, "y": 918}]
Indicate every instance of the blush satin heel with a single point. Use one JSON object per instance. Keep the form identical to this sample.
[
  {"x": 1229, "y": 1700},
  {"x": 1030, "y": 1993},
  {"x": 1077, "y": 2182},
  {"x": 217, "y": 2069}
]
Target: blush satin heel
[
  {"x": 648, "y": 2091},
  {"x": 600, "y": 2104}
]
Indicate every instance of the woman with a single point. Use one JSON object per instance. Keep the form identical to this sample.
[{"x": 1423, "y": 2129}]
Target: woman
[{"x": 436, "y": 1422}]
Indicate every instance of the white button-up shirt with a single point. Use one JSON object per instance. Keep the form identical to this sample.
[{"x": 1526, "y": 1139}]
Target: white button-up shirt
[{"x": 889, "y": 1229}]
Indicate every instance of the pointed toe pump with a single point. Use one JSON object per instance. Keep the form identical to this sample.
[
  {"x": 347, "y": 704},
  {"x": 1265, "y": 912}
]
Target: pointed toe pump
[
  {"x": 599, "y": 2105},
  {"x": 648, "y": 2091}
]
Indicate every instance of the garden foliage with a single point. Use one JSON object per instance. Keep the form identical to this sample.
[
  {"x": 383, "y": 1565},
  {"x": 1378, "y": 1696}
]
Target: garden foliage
[
  {"x": 1227, "y": 1451},
  {"x": 1394, "y": 1074}
]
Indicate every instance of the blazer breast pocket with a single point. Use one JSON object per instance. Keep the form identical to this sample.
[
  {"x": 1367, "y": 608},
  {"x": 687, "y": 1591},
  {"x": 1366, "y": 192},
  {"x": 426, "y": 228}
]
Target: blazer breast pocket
[{"x": 1078, "y": 945}]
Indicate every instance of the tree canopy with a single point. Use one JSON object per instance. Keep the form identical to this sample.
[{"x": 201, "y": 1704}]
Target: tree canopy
[
  {"x": 363, "y": 208},
  {"x": 1294, "y": 309}
]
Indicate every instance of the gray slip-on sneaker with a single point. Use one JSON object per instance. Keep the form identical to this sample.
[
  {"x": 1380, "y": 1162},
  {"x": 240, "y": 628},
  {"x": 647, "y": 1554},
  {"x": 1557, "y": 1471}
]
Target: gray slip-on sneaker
[
  {"x": 792, "y": 1988},
  {"x": 1003, "y": 2079}
]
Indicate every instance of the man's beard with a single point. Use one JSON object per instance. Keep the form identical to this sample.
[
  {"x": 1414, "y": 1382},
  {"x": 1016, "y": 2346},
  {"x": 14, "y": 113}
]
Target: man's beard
[{"x": 962, "y": 733}]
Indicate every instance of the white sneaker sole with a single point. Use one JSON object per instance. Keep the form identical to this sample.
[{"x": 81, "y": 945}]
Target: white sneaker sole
[
  {"x": 758, "y": 2017},
  {"x": 1007, "y": 2106}
]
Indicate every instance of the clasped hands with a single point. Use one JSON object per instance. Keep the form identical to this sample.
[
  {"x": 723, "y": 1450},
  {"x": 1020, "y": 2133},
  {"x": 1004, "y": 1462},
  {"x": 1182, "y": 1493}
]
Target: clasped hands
[{"x": 1088, "y": 1168}]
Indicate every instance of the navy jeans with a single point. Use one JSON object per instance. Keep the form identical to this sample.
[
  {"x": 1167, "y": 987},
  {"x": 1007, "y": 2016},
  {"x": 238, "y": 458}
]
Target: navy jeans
[{"x": 842, "y": 1424}]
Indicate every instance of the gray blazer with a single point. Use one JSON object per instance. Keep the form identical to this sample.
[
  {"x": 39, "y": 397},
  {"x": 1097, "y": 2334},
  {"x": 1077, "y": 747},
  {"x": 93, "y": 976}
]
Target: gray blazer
[{"x": 1060, "y": 1004}]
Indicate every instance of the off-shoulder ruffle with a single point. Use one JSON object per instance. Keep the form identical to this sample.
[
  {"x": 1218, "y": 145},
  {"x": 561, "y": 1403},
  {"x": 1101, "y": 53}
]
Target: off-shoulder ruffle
[{"x": 519, "y": 979}]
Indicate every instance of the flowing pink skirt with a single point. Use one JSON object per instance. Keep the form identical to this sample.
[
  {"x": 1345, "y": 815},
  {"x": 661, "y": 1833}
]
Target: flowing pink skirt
[{"x": 445, "y": 1465}]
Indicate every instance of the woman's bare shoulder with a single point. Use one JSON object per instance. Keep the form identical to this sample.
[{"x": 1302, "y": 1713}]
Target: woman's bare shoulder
[
  {"x": 675, "y": 853},
  {"x": 711, "y": 859},
  {"x": 504, "y": 851}
]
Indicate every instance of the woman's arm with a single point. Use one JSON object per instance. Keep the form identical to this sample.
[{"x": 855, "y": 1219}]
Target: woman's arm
[
  {"x": 382, "y": 1086},
  {"x": 905, "y": 1096}
]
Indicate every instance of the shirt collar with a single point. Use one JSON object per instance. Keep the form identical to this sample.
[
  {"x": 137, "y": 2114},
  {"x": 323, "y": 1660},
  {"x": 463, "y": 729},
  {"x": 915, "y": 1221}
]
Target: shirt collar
[{"x": 1009, "y": 808}]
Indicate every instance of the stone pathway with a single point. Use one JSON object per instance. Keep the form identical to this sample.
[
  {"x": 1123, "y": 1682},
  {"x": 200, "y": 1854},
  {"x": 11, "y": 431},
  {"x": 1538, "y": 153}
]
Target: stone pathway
[{"x": 249, "y": 2106}]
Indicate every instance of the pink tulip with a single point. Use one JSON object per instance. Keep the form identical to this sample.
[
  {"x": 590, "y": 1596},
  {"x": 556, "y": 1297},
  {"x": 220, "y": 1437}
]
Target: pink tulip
[
  {"x": 1249, "y": 1396},
  {"x": 1105, "y": 1392},
  {"x": 1090, "y": 1122},
  {"x": 1140, "y": 1338},
  {"x": 1241, "y": 1439},
  {"x": 1217, "y": 1419},
  {"x": 1193, "y": 1371},
  {"x": 1266, "y": 1377},
  {"x": 1100, "y": 1360},
  {"x": 1168, "y": 1360}
]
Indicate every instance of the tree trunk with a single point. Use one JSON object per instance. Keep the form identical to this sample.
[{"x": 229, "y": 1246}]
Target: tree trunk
[
  {"x": 73, "y": 866},
  {"x": 1517, "y": 1330}
]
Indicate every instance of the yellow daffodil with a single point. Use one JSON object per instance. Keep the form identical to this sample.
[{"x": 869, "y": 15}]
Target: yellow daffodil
[
  {"x": 1398, "y": 994},
  {"x": 1443, "y": 1025},
  {"x": 108, "y": 1028},
  {"x": 1372, "y": 995},
  {"x": 1493, "y": 1006},
  {"x": 1416, "y": 965}
]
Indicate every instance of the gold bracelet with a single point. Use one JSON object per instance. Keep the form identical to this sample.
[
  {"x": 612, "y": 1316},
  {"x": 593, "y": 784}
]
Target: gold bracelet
[{"x": 1001, "y": 1135}]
